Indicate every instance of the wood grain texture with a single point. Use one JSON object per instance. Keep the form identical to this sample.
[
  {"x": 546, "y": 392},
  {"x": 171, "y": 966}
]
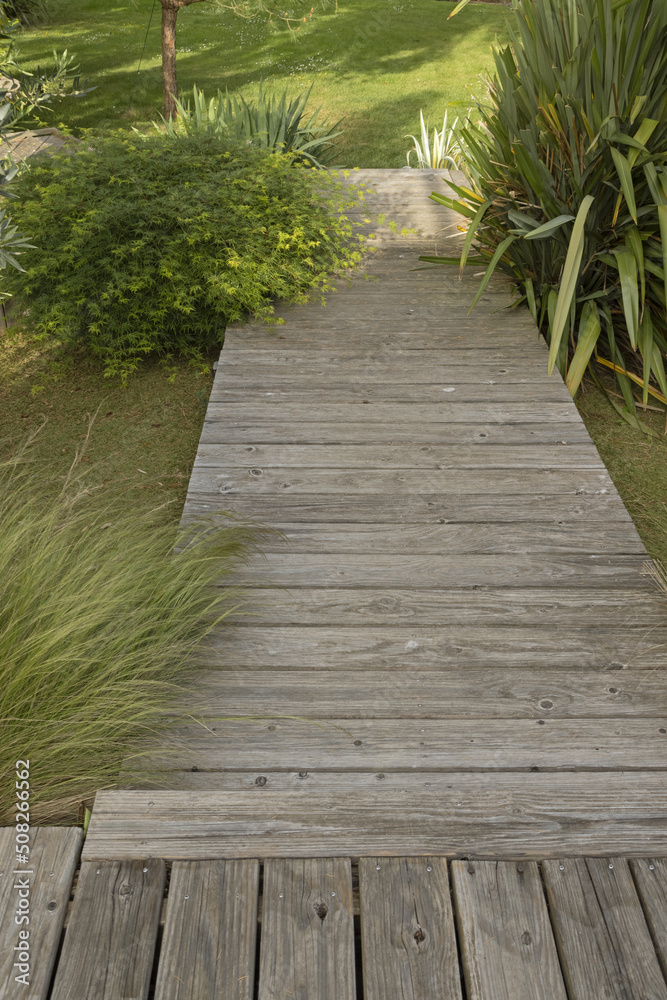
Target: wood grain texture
[
  {"x": 360, "y": 456},
  {"x": 256, "y": 431},
  {"x": 513, "y": 412},
  {"x": 317, "y": 393},
  {"x": 112, "y": 931},
  {"x": 470, "y": 650},
  {"x": 54, "y": 853},
  {"x": 423, "y": 508},
  {"x": 357, "y": 570},
  {"x": 650, "y": 875},
  {"x": 505, "y": 606},
  {"x": 301, "y": 744},
  {"x": 604, "y": 944},
  {"x": 307, "y": 947},
  {"x": 455, "y": 539},
  {"x": 504, "y": 693},
  {"x": 488, "y": 815},
  {"x": 407, "y": 930},
  {"x": 507, "y": 946},
  {"x": 210, "y": 934}
]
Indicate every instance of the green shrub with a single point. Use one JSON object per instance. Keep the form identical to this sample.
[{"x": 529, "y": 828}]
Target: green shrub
[
  {"x": 567, "y": 169},
  {"x": 25, "y": 11},
  {"x": 97, "y": 620},
  {"x": 147, "y": 244},
  {"x": 276, "y": 124}
]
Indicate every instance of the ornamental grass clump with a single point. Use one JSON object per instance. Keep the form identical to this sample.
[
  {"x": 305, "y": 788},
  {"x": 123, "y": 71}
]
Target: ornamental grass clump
[
  {"x": 147, "y": 245},
  {"x": 98, "y": 621},
  {"x": 567, "y": 185}
]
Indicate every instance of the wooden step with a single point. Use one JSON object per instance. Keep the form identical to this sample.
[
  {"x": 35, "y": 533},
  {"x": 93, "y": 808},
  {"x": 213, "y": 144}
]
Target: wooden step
[{"x": 484, "y": 815}]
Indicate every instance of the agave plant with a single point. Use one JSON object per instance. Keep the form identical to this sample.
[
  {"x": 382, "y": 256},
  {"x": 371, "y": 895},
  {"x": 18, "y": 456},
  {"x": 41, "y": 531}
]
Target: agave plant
[
  {"x": 567, "y": 184},
  {"x": 276, "y": 123},
  {"x": 443, "y": 151}
]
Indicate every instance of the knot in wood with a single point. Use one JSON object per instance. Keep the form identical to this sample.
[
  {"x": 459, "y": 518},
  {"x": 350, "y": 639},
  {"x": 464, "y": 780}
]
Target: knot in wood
[
  {"x": 321, "y": 909},
  {"x": 419, "y": 935}
]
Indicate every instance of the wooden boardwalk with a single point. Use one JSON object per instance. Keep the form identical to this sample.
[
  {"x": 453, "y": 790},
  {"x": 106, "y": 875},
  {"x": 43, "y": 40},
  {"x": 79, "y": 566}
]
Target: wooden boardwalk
[
  {"x": 328, "y": 929},
  {"x": 428, "y": 762},
  {"x": 451, "y": 647}
]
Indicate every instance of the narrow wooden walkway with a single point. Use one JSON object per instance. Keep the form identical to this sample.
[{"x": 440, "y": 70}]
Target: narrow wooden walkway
[
  {"x": 429, "y": 763},
  {"x": 329, "y": 929},
  {"x": 451, "y": 649}
]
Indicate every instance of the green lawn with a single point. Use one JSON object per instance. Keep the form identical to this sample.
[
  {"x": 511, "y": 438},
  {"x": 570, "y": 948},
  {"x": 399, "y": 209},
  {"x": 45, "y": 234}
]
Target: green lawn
[{"x": 375, "y": 63}]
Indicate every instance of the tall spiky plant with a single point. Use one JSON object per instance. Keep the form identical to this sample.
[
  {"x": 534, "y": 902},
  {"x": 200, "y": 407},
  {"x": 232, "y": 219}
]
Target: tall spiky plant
[{"x": 567, "y": 173}]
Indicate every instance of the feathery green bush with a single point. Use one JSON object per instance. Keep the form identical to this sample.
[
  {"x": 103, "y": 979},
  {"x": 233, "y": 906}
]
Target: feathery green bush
[
  {"x": 98, "y": 617},
  {"x": 149, "y": 245},
  {"x": 567, "y": 174}
]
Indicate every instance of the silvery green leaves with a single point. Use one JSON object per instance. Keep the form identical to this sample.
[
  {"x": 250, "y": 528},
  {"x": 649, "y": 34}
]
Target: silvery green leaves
[
  {"x": 566, "y": 190},
  {"x": 276, "y": 123}
]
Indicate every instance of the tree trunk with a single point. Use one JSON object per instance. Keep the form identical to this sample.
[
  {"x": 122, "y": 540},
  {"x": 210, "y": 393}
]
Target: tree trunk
[{"x": 169, "y": 82}]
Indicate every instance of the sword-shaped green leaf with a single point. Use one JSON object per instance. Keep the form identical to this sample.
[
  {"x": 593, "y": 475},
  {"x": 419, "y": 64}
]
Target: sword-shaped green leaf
[
  {"x": 569, "y": 279},
  {"x": 589, "y": 331},
  {"x": 500, "y": 250},
  {"x": 545, "y": 230},
  {"x": 627, "y": 272},
  {"x": 624, "y": 171}
]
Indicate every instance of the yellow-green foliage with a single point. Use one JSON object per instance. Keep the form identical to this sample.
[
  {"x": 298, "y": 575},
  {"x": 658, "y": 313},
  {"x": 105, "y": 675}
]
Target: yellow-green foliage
[{"x": 152, "y": 245}]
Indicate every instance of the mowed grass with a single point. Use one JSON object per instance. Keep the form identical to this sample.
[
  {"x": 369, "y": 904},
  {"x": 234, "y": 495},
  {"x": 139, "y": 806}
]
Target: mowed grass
[
  {"x": 375, "y": 63},
  {"x": 139, "y": 452},
  {"x": 637, "y": 462}
]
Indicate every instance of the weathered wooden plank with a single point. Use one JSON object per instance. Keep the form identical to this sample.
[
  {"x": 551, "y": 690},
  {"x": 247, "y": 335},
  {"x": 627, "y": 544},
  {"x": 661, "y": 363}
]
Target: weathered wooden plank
[
  {"x": 468, "y": 651},
  {"x": 408, "y": 943},
  {"x": 350, "y": 482},
  {"x": 455, "y": 539},
  {"x": 631, "y": 608},
  {"x": 38, "y": 891},
  {"x": 604, "y": 944},
  {"x": 457, "y": 365},
  {"x": 306, "y": 569},
  {"x": 488, "y": 815},
  {"x": 490, "y": 333},
  {"x": 208, "y": 945},
  {"x": 515, "y": 412},
  {"x": 650, "y": 875},
  {"x": 417, "y": 508},
  {"x": 506, "y": 693},
  {"x": 284, "y": 432},
  {"x": 112, "y": 931},
  {"x": 403, "y": 365},
  {"x": 507, "y": 946},
  {"x": 378, "y": 456},
  {"x": 320, "y": 393},
  {"x": 301, "y": 744},
  {"x": 307, "y": 947}
]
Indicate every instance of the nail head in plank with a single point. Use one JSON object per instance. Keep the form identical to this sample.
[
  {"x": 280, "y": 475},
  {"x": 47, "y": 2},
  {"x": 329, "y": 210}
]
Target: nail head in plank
[
  {"x": 110, "y": 940},
  {"x": 650, "y": 876},
  {"x": 307, "y": 947},
  {"x": 408, "y": 941},
  {"x": 507, "y": 946},
  {"x": 604, "y": 944},
  {"x": 54, "y": 853},
  {"x": 208, "y": 945}
]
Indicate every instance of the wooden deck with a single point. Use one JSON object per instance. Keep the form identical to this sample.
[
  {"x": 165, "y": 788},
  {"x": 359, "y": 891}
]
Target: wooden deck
[
  {"x": 428, "y": 762},
  {"x": 450, "y": 646},
  {"x": 383, "y": 928}
]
